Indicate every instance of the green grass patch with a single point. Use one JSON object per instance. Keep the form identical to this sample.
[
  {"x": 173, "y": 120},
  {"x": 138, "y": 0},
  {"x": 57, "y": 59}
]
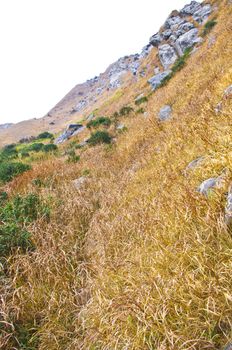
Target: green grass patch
[
  {"x": 126, "y": 110},
  {"x": 9, "y": 170}
]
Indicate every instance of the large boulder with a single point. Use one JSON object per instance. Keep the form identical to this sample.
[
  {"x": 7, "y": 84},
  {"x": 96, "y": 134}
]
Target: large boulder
[
  {"x": 190, "y": 9},
  {"x": 187, "y": 40},
  {"x": 157, "y": 79},
  {"x": 167, "y": 55},
  {"x": 71, "y": 130},
  {"x": 156, "y": 39},
  {"x": 165, "y": 113},
  {"x": 202, "y": 14}
]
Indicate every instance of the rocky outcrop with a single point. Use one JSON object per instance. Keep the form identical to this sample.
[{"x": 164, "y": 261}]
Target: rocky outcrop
[
  {"x": 165, "y": 113},
  {"x": 72, "y": 130},
  {"x": 5, "y": 126},
  {"x": 187, "y": 40},
  {"x": 190, "y": 9},
  {"x": 167, "y": 55},
  {"x": 157, "y": 79},
  {"x": 202, "y": 14}
]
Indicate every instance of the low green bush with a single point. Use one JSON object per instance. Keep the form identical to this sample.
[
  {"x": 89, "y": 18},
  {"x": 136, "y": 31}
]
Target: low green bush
[
  {"x": 45, "y": 135},
  {"x": 50, "y": 147},
  {"x": 34, "y": 147},
  {"x": 8, "y": 170},
  {"x": 125, "y": 110},
  {"x": 141, "y": 100},
  {"x": 140, "y": 111},
  {"x": 99, "y": 137},
  {"x": 208, "y": 26},
  {"x": 104, "y": 121},
  {"x": 73, "y": 157},
  {"x": 8, "y": 152}
]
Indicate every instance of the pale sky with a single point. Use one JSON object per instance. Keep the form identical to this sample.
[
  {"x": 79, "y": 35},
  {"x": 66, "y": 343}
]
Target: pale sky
[{"x": 49, "y": 46}]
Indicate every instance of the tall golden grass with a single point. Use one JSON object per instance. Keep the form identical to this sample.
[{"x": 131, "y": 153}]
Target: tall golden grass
[{"x": 137, "y": 258}]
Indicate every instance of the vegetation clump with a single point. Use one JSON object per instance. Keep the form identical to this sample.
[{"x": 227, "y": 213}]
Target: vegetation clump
[
  {"x": 208, "y": 27},
  {"x": 45, "y": 135},
  {"x": 100, "y": 121},
  {"x": 125, "y": 111},
  {"x": 8, "y": 170},
  {"x": 141, "y": 100},
  {"x": 99, "y": 137},
  {"x": 15, "y": 215},
  {"x": 50, "y": 147}
]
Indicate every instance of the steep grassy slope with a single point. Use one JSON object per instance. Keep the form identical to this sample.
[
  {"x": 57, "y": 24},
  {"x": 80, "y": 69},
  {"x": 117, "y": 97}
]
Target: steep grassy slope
[{"x": 136, "y": 258}]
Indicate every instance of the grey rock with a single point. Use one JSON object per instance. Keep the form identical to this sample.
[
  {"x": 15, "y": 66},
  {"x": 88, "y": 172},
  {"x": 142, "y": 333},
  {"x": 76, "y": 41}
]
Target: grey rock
[
  {"x": 228, "y": 346},
  {"x": 156, "y": 39},
  {"x": 120, "y": 127},
  {"x": 228, "y": 92},
  {"x": 218, "y": 108},
  {"x": 187, "y": 40},
  {"x": 209, "y": 184},
  {"x": 165, "y": 113},
  {"x": 145, "y": 51},
  {"x": 191, "y": 8},
  {"x": 157, "y": 80},
  {"x": 171, "y": 22},
  {"x": 202, "y": 14},
  {"x": 186, "y": 27},
  {"x": 228, "y": 212},
  {"x": 78, "y": 183},
  {"x": 194, "y": 163},
  {"x": 5, "y": 126},
  {"x": 166, "y": 34},
  {"x": 156, "y": 70},
  {"x": 81, "y": 105},
  {"x": 69, "y": 132},
  {"x": 167, "y": 55}
]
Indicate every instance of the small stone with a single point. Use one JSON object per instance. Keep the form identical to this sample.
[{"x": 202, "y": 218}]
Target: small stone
[
  {"x": 228, "y": 212},
  {"x": 228, "y": 92},
  {"x": 156, "y": 39},
  {"x": 209, "y": 184},
  {"x": 78, "y": 183},
  {"x": 218, "y": 108},
  {"x": 165, "y": 113},
  {"x": 120, "y": 127},
  {"x": 194, "y": 163}
]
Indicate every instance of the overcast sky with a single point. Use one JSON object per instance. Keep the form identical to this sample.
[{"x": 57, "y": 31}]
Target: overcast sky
[{"x": 48, "y": 46}]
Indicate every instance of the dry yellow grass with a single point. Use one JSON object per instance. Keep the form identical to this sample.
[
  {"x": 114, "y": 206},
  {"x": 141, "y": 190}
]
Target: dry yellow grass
[{"x": 137, "y": 259}]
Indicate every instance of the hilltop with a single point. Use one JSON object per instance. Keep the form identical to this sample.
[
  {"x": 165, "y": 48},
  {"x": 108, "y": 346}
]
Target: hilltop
[{"x": 115, "y": 228}]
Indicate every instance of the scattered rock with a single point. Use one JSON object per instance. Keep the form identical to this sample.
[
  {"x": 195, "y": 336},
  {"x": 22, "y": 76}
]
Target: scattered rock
[
  {"x": 165, "y": 113},
  {"x": 167, "y": 55},
  {"x": 218, "y": 108},
  {"x": 156, "y": 39},
  {"x": 194, "y": 163},
  {"x": 157, "y": 80},
  {"x": 52, "y": 123},
  {"x": 166, "y": 34},
  {"x": 202, "y": 14},
  {"x": 209, "y": 184},
  {"x": 156, "y": 70},
  {"x": 78, "y": 183},
  {"x": 228, "y": 212},
  {"x": 27, "y": 139},
  {"x": 228, "y": 92},
  {"x": 120, "y": 127},
  {"x": 187, "y": 40}
]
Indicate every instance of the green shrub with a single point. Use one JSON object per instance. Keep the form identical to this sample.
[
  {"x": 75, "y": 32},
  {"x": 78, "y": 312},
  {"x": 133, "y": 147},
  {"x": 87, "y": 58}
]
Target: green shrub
[
  {"x": 24, "y": 154},
  {"x": 125, "y": 110},
  {"x": 209, "y": 26},
  {"x": 99, "y": 137},
  {"x": 50, "y": 147},
  {"x": 104, "y": 121},
  {"x": 26, "y": 336},
  {"x": 140, "y": 111},
  {"x": 9, "y": 152},
  {"x": 141, "y": 100},
  {"x": 15, "y": 216},
  {"x": 9, "y": 170},
  {"x": 45, "y": 135},
  {"x": 34, "y": 147}
]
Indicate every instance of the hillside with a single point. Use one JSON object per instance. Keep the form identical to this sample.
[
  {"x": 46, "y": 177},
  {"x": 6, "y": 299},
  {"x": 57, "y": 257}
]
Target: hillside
[{"x": 119, "y": 235}]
